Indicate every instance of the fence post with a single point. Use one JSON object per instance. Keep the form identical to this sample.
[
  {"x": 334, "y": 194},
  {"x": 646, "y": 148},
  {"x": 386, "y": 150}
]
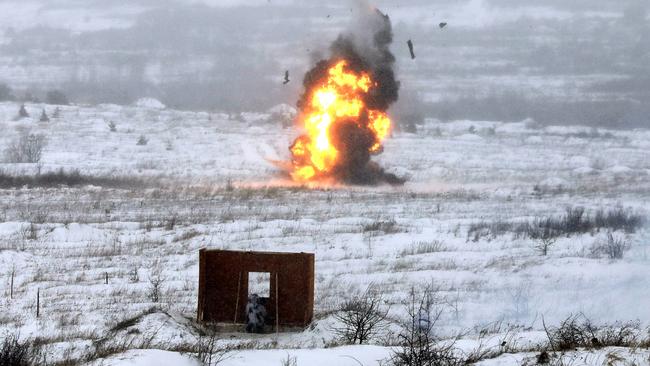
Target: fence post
[
  {"x": 277, "y": 303},
  {"x": 11, "y": 290},
  {"x": 237, "y": 301}
]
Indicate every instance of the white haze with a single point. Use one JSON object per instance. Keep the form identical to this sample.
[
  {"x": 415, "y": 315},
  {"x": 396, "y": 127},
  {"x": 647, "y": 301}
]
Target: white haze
[{"x": 578, "y": 62}]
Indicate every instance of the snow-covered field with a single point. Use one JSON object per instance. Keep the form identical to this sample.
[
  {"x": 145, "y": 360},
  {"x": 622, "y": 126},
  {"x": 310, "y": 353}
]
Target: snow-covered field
[{"x": 207, "y": 180}]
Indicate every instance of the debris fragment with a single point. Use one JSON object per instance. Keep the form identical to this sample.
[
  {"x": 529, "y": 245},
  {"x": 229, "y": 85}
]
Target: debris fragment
[
  {"x": 286, "y": 78},
  {"x": 410, "y": 44}
]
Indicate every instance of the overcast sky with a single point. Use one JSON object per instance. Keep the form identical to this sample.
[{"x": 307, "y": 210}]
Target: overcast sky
[{"x": 539, "y": 56}]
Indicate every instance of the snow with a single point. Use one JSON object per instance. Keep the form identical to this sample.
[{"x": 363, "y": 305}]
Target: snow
[
  {"x": 283, "y": 109},
  {"x": 212, "y": 174},
  {"x": 606, "y": 356},
  {"x": 151, "y": 103},
  {"x": 150, "y": 357},
  {"x": 341, "y": 356}
]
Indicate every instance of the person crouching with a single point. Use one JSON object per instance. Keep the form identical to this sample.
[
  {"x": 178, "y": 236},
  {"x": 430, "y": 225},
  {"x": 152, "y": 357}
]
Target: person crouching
[{"x": 255, "y": 315}]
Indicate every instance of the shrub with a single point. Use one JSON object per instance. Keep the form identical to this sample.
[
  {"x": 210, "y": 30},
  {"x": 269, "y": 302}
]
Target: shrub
[
  {"x": 112, "y": 126},
  {"x": 577, "y": 331},
  {"x": 544, "y": 244},
  {"x": 44, "y": 117},
  {"x": 22, "y": 112},
  {"x": 67, "y": 178},
  {"x": 142, "y": 140},
  {"x": 208, "y": 350},
  {"x": 419, "y": 345},
  {"x": 361, "y": 317},
  {"x": 156, "y": 282},
  {"x": 614, "y": 247},
  {"x": 423, "y": 247},
  {"x": 14, "y": 352},
  {"x": 387, "y": 226},
  {"x": 574, "y": 221},
  {"x": 28, "y": 148},
  {"x": 289, "y": 361},
  {"x": 618, "y": 219},
  {"x": 573, "y": 332}
]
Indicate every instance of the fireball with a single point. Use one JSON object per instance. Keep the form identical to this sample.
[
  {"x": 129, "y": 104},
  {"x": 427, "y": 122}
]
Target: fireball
[{"x": 332, "y": 104}]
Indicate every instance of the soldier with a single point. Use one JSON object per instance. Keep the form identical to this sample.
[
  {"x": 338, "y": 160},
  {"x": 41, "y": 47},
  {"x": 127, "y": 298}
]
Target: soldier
[{"x": 255, "y": 315}]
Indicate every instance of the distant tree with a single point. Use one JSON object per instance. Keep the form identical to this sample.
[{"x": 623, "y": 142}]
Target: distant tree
[
  {"x": 6, "y": 94},
  {"x": 142, "y": 140},
  {"x": 22, "y": 112},
  {"x": 44, "y": 117},
  {"x": 56, "y": 97},
  {"x": 28, "y": 148},
  {"x": 112, "y": 126}
]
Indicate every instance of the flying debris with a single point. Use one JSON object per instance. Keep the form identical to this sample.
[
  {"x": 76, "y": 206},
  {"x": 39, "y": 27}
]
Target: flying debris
[
  {"x": 286, "y": 78},
  {"x": 410, "y": 44},
  {"x": 442, "y": 25}
]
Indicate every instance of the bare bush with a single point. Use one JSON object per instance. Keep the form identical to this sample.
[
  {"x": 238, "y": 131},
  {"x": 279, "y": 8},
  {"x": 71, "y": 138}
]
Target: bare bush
[
  {"x": 385, "y": 226},
  {"x": 28, "y": 148},
  {"x": 419, "y": 345},
  {"x": 544, "y": 244},
  {"x": 362, "y": 317},
  {"x": 134, "y": 277},
  {"x": 614, "y": 247},
  {"x": 423, "y": 247},
  {"x": 70, "y": 178},
  {"x": 142, "y": 140},
  {"x": 618, "y": 219},
  {"x": 14, "y": 352},
  {"x": 171, "y": 222},
  {"x": 488, "y": 229},
  {"x": 112, "y": 126},
  {"x": 574, "y": 221},
  {"x": 620, "y": 334},
  {"x": 109, "y": 346},
  {"x": 156, "y": 282},
  {"x": 208, "y": 351},
  {"x": 577, "y": 331},
  {"x": 289, "y": 361},
  {"x": 573, "y": 332}
]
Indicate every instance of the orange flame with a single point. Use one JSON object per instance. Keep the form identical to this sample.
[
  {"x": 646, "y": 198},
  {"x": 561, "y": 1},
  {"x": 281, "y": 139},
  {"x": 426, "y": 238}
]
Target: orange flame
[{"x": 338, "y": 99}]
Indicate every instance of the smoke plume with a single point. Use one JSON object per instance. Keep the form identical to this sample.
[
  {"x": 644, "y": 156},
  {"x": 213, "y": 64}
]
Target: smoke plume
[{"x": 365, "y": 47}]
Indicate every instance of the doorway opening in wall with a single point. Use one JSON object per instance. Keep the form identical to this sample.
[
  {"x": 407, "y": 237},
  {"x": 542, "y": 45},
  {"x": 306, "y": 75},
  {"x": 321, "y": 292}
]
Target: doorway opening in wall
[{"x": 258, "y": 318}]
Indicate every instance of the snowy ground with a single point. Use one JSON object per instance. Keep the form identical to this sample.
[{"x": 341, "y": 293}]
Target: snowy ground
[{"x": 209, "y": 183}]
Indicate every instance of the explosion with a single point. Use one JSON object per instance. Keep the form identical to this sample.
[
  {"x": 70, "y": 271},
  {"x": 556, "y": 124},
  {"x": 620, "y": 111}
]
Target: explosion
[
  {"x": 336, "y": 101},
  {"x": 343, "y": 109}
]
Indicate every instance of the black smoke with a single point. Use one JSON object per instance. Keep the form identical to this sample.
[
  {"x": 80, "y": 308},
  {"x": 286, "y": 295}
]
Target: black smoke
[{"x": 366, "y": 49}]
